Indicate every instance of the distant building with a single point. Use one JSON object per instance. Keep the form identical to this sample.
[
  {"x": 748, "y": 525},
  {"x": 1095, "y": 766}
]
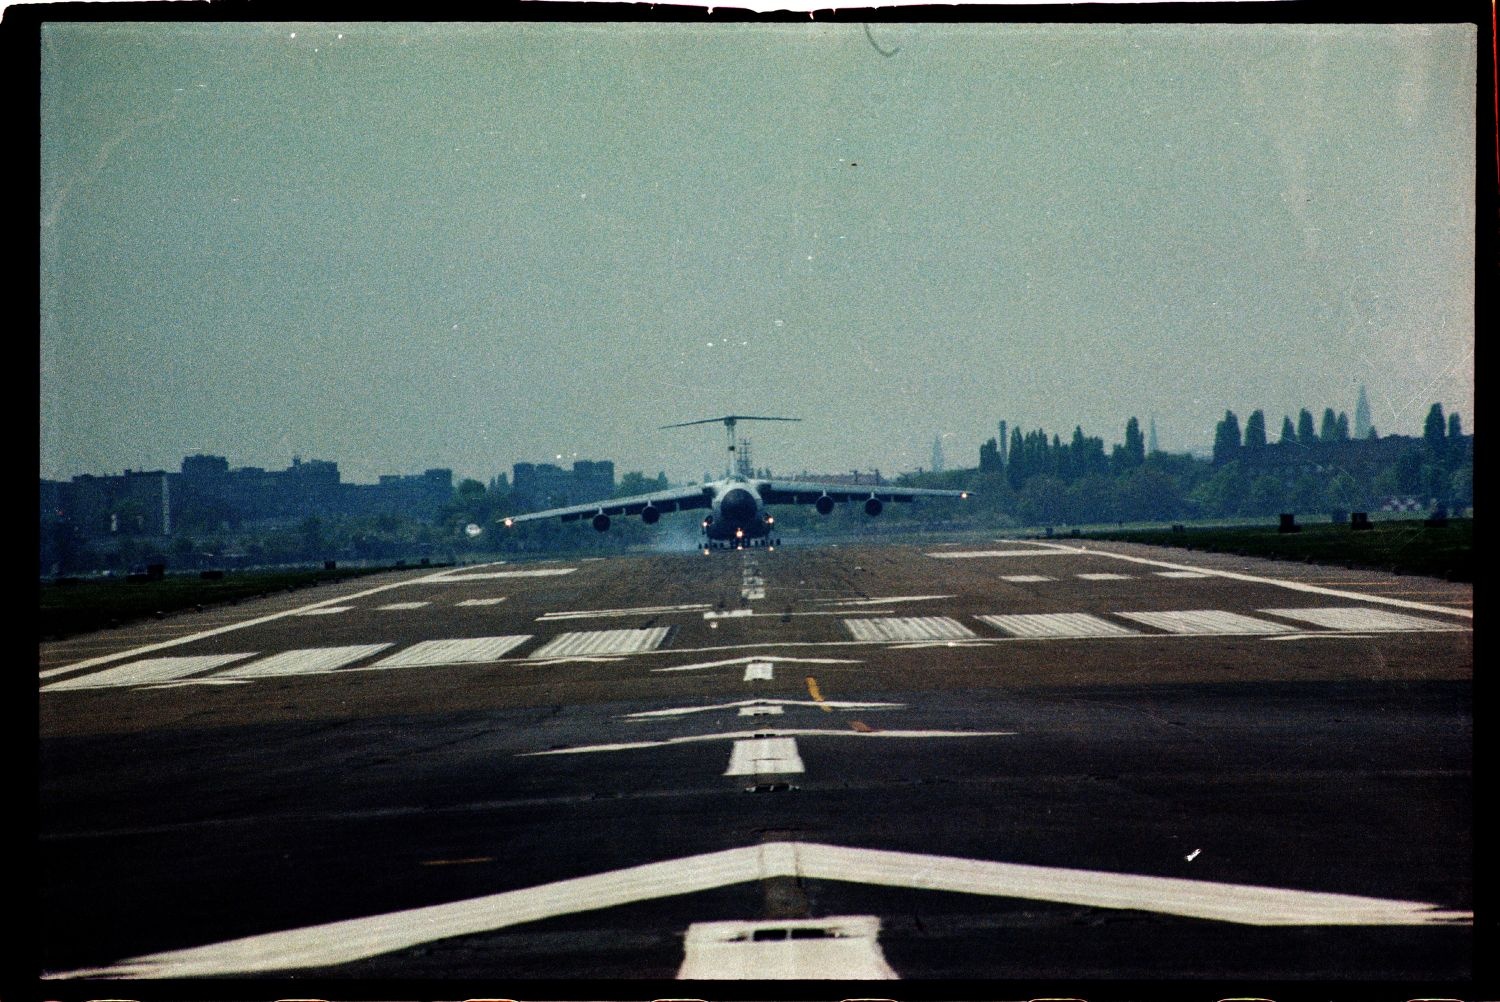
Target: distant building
[
  {"x": 208, "y": 496},
  {"x": 543, "y": 485}
]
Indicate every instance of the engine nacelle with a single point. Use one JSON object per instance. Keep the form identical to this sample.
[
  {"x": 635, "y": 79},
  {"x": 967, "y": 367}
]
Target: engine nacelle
[
  {"x": 601, "y": 522},
  {"x": 650, "y": 514},
  {"x": 873, "y": 506},
  {"x": 824, "y": 505}
]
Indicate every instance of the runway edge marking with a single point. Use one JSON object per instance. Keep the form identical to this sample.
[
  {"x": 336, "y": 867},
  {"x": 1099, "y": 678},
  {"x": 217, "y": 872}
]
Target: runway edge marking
[{"x": 1257, "y": 579}]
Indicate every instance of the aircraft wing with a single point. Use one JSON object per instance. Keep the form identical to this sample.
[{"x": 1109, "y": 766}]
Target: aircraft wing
[
  {"x": 805, "y": 492},
  {"x": 674, "y": 499}
]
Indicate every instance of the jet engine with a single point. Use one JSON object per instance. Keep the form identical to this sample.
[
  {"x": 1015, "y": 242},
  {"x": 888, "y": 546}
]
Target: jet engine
[
  {"x": 824, "y": 505},
  {"x": 601, "y": 522},
  {"x": 873, "y": 506},
  {"x": 650, "y": 514}
]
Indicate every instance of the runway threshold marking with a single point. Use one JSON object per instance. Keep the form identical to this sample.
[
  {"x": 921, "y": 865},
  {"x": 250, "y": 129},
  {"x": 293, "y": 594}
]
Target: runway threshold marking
[
  {"x": 758, "y": 670},
  {"x": 349, "y": 940},
  {"x": 1057, "y": 625},
  {"x": 308, "y": 661},
  {"x": 464, "y": 650},
  {"x": 1277, "y": 582},
  {"x": 603, "y": 642},
  {"x": 147, "y": 671},
  {"x": 1207, "y": 622},
  {"x": 1362, "y": 619},
  {"x": 908, "y": 628},
  {"x": 190, "y": 638}
]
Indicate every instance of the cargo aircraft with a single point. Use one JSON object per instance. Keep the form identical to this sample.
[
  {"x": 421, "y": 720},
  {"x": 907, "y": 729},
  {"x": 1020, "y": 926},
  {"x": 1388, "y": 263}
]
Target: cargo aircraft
[{"x": 737, "y": 516}]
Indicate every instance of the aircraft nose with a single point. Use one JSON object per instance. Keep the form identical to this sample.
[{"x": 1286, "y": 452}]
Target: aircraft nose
[{"x": 738, "y": 505}]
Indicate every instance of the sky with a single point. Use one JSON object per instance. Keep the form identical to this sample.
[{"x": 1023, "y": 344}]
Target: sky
[{"x": 402, "y": 246}]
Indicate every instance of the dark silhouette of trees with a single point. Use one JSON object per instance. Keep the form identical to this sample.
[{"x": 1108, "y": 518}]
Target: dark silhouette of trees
[
  {"x": 1306, "y": 434},
  {"x": 1328, "y": 431},
  {"x": 1288, "y": 433},
  {"x": 1226, "y": 439},
  {"x": 1255, "y": 431}
]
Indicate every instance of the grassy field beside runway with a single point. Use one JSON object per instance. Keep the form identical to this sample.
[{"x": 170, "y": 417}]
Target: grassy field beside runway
[
  {"x": 69, "y": 607},
  {"x": 1402, "y": 547}
]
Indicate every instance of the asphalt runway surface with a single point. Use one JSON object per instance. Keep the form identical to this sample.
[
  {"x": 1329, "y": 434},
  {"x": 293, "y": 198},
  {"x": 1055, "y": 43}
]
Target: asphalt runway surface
[{"x": 1007, "y": 763}]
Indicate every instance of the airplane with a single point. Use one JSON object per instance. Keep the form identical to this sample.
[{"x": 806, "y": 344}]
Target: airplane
[{"x": 737, "y": 516}]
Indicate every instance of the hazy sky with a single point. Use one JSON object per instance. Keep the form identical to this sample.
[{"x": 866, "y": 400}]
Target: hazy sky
[{"x": 402, "y": 246}]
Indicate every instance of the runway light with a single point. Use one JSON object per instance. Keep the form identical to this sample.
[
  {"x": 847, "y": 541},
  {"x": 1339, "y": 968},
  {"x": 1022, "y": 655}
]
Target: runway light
[{"x": 509, "y": 522}]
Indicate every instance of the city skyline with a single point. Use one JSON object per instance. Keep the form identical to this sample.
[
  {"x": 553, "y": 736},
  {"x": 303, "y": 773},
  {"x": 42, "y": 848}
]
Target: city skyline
[{"x": 474, "y": 245}]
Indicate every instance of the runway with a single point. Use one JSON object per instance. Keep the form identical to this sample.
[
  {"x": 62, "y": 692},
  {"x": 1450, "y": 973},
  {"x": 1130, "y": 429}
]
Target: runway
[{"x": 1018, "y": 762}]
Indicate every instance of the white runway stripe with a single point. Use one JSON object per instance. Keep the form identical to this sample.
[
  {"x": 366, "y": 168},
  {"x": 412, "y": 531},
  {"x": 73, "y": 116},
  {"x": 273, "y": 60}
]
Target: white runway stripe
[
  {"x": 603, "y": 642},
  {"x": 963, "y": 554},
  {"x": 147, "y": 671},
  {"x": 347, "y": 940},
  {"x": 309, "y": 661},
  {"x": 1105, "y": 577},
  {"x": 482, "y": 601},
  {"x": 843, "y": 947},
  {"x": 1207, "y": 622},
  {"x": 1060, "y": 624},
  {"x": 758, "y": 670},
  {"x": 1360, "y": 619},
  {"x": 909, "y": 628},
  {"x": 491, "y": 575},
  {"x": 396, "y": 606},
  {"x": 761, "y": 755},
  {"x": 1025, "y": 578},
  {"x": 1181, "y": 574},
  {"x": 464, "y": 650},
  {"x": 603, "y": 613},
  {"x": 323, "y": 610}
]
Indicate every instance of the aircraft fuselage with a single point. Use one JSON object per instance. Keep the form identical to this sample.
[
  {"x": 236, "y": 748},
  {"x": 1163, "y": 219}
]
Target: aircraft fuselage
[{"x": 737, "y": 514}]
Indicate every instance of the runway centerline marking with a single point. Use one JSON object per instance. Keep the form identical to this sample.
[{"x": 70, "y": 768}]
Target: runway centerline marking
[
  {"x": 755, "y": 756},
  {"x": 758, "y": 671},
  {"x": 349, "y": 940},
  {"x": 756, "y": 657},
  {"x": 845, "y": 947},
  {"x": 778, "y": 732},
  {"x": 744, "y": 704}
]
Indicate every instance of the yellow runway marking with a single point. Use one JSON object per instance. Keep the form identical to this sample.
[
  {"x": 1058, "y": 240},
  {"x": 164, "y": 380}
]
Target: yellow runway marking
[{"x": 812, "y": 688}]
